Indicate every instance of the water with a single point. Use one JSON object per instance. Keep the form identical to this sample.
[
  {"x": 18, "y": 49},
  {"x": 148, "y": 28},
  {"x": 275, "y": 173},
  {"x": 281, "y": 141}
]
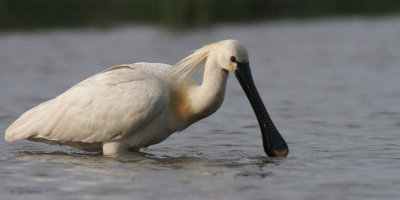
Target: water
[{"x": 332, "y": 87}]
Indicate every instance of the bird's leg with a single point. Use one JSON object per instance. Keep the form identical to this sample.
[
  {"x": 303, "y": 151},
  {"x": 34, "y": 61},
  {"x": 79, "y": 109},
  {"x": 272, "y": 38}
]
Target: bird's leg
[{"x": 114, "y": 148}]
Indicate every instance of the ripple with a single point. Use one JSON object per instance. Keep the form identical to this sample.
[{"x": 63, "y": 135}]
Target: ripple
[{"x": 259, "y": 175}]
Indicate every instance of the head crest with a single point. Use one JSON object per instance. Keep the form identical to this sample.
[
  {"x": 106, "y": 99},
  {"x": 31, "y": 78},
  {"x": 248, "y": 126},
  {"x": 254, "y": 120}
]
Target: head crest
[{"x": 187, "y": 66}]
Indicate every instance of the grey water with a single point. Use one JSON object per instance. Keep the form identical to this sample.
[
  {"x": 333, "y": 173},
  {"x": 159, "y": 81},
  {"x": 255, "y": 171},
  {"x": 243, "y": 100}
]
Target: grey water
[{"x": 332, "y": 87}]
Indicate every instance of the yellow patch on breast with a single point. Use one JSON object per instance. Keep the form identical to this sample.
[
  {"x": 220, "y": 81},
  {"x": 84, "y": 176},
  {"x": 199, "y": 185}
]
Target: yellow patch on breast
[{"x": 179, "y": 103}]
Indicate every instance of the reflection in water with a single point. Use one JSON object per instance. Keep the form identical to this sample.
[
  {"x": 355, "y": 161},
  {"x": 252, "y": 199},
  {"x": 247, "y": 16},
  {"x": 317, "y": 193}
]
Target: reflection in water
[
  {"x": 331, "y": 87},
  {"x": 143, "y": 158}
]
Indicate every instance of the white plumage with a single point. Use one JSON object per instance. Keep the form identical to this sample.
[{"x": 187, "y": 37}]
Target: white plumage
[
  {"x": 105, "y": 107},
  {"x": 128, "y": 107}
]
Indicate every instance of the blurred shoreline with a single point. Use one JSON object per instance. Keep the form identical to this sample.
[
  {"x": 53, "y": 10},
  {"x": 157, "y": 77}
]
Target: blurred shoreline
[{"x": 39, "y": 14}]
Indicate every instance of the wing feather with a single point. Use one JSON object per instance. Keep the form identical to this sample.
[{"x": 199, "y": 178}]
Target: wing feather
[{"x": 108, "y": 106}]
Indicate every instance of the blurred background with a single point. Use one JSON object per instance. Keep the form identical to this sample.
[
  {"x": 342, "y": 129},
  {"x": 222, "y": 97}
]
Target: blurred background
[
  {"x": 32, "y": 14},
  {"x": 327, "y": 70}
]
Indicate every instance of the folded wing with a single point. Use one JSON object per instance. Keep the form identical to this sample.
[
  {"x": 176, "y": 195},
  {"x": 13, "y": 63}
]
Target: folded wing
[{"x": 108, "y": 106}]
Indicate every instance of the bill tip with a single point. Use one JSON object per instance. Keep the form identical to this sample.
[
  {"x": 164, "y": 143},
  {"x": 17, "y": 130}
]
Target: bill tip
[{"x": 281, "y": 153}]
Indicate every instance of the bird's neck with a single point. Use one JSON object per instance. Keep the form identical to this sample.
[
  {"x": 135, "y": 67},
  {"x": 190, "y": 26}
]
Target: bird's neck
[
  {"x": 207, "y": 97},
  {"x": 190, "y": 102}
]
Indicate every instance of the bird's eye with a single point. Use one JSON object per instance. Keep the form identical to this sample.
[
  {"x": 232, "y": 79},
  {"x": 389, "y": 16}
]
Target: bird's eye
[{"x": 233, "y": 59}]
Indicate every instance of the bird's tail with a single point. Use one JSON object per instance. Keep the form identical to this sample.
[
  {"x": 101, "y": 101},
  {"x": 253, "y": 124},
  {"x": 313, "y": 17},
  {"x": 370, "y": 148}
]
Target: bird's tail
[{"x": 25, "y": 126}]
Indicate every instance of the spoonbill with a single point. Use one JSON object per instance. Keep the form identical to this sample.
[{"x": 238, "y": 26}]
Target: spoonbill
[{"x": 131, "y": 106}]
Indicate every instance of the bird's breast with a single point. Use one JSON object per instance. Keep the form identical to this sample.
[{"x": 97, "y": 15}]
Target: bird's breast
[{"x": 180, "y": 105}]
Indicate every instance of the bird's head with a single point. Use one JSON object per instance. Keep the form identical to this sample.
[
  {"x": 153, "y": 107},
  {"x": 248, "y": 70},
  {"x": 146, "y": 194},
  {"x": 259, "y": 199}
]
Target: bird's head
[
  {"x": 233, "y": 57},
  {"x": 230, "y": 53}
]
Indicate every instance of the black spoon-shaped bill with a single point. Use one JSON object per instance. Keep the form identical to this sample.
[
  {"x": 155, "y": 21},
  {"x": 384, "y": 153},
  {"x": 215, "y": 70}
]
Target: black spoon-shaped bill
[{"x": 273, "y": 142}]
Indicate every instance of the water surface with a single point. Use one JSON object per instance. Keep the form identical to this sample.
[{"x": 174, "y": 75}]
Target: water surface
[{"x": 331, "y": 86}]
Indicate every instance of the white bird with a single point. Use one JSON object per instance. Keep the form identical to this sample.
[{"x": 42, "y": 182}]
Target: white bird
[{"x": 131, "y": 106}]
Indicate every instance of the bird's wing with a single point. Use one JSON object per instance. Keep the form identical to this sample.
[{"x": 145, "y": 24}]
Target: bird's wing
[{"x": 107, "y": 106}]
